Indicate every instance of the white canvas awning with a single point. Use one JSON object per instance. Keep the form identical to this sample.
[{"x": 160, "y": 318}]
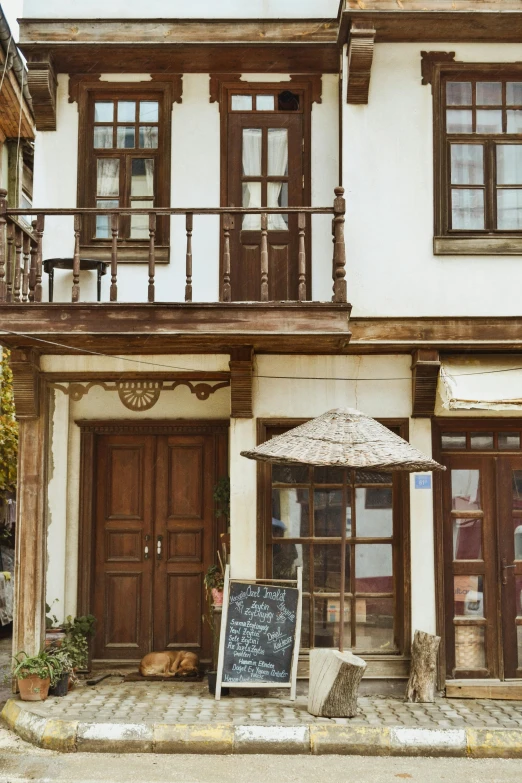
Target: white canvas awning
[{"x": 481, "y": 383}]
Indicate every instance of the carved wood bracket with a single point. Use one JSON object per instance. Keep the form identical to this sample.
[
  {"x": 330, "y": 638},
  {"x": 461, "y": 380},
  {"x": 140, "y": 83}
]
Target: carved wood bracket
[
  {"x": 425, "y": 374},
  {"x": 216, "y": 82},
  {"x": 360, "y": 58},
  {"x": 79, "y": 80},
  {"x": 241, "y": 372},
  {"x": 41, "y": 81},
  {"x": 137, "y": 395},
  {"x": 429, "y": 60},
  {"x": 25, "y": 364}
]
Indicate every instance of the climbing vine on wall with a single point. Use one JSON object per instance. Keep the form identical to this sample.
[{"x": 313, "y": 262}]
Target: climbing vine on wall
[{"x": 8, "y": 427}]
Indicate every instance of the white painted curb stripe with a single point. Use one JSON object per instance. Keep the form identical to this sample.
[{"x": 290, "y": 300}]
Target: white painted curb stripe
[
  {"x": 428, "y": 738},
  {"x": 272, "y": 733}
]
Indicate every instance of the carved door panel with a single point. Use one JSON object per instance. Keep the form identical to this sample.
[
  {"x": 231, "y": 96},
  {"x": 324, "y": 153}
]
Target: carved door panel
[
  {"x": 184, "y": 541},
  {"x": 123, "y": 570}
]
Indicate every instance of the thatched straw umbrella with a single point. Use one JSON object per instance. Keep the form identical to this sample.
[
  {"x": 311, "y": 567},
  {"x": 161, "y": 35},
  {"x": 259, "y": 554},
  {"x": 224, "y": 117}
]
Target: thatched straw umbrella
[{"x": 346, "y": 438}]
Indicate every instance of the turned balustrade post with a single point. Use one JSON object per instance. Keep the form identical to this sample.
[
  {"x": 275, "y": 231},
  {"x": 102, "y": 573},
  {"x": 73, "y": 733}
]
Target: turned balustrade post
[
  {"x": 39, "y": 231},
  {"x": 18, "y": 264},
  {"x": 32, "y": 270},
  {"x": 152, "y": 256},
  {"x": 339, "y": 255},
  {"x": 26, "y": 249},
  {"x": 76, "y": 259},
  {"x": 3, "y": 244},
  {"x": 10, "y": 262},
  {"x": 228, "y": 225},
  {"x": 301, "y": 257},
  {"x": 264, "y": 257},
  {"x": 188, "y": 258},
  {"x": 114, "y": 258}
]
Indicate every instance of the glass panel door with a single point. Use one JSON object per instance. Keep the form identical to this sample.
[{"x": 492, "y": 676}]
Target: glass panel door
[{"x": 510, "y": 565}]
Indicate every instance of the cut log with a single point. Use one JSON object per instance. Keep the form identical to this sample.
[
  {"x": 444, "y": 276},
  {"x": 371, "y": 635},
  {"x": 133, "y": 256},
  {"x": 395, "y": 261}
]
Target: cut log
[
  {"x": 334, "y": 683},
  {"x": 423, "y": 672}
]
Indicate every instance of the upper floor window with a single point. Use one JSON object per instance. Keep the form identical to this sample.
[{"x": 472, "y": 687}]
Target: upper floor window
[{"x": 479, "y": 162}]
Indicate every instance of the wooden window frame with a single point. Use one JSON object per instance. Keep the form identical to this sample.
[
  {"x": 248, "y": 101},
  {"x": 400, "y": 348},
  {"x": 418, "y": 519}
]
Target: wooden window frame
[
  {"x": 488, "y": 241},
  {"x": 129, "y": 250},
  {"x": 401, "y": 535}
]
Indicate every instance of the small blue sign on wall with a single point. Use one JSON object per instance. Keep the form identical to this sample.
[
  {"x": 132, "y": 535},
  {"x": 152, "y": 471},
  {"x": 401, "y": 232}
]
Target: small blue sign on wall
[{"x": 422, "y": 482}]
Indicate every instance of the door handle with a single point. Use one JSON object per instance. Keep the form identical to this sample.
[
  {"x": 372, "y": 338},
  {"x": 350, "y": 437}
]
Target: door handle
[
  {"x": 505, "y": 567},
  {"x": 146, "y": 550},
  {"x": 158, "y": 547}
]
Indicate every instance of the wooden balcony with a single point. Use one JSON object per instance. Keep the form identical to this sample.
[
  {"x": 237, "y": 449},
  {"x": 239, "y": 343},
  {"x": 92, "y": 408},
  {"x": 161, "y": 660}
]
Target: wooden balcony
[{"x": 297, "y": 326}]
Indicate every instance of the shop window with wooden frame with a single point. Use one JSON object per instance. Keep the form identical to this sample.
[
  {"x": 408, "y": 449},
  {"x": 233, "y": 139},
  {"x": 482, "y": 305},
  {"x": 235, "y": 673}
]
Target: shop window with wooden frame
[
  {"x": 124, "y": 161},
  {"x": 478, "y": 159},
  {"x": 349, "y": 530}
]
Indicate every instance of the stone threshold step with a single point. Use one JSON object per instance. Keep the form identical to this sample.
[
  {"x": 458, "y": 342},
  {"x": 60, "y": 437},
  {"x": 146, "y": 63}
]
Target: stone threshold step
[{"x": 484, "y": 689}]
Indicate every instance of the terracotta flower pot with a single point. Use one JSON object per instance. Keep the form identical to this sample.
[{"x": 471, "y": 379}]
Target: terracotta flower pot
[
  {"x": 33, "y": 688},
  {"x": 217, "y": 596}
]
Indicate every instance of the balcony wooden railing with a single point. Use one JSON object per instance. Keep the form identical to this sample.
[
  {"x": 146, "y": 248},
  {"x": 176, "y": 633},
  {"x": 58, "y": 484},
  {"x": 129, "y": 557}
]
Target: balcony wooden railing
[{"x": 21, "y": 258}]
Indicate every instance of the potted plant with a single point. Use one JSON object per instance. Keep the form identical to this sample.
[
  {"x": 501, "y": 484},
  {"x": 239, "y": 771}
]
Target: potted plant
[
  {"x": 214, "y": 580},
  {"x": 63, "y": 666},
  {"x": 34, "y": 675},
  {"x": 78, "y": 630}
]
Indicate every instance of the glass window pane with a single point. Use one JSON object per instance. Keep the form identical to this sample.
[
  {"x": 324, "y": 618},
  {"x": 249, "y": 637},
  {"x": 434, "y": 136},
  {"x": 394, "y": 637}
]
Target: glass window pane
[
  {"x": 149, "y": 111},
  {"x": 125, "y": 136},
  {"x": 126, "y": 111},
  {"x": 518, "y": 594},
  {"x": 514, "y": 121},
  {"x": 517, "y": 489},
  {"x": 277, "y": 196},
  {"x": 509, "y": 164},
  {"x": 467, "y": 209},
  {"x": 517, "y": 533},
  {"x": 103, "y": 230},
  {"x": 467, "y": 539},
  {"x": 373, "y": 477},
  {"x": 467, "y": 164},
  {"x": 509, "y": 210},
  {"x": 277, "y": 152},
  {"x": 148, "y": 137},
  {"x": 465, "y": 490},
  {"x": 108, "y": 177},
  {"x": 470, "y": 652},
  {"x": 140, "y": 223},
  {"x": 142, "y": 177},
  {"x": 508, "y": 440},
  {"x": 290, "y": 513},
  {"x": 489, "y": 94},
  {"x": 265, "y": 103},
  {"x": 290, "y": 474},
  {"x": 288, "y": 101},
  {"x": 286, "y": 557},
  {"x": 241, "y": 103},
  {"x": 305, "y": 623},
  {"x": 373, "y": 568},
  {"x": 329, "y": 512},
  {"x": 103, "y": 137},
  {"x": 326, "y": 622},
  {"x": 251, "y": 198},
  {"x": 514, "y": 93},
  {"x": 458, "y": 93},
  {"x": 103, "y": 111},
  {"x": 373, "y": 510},
  {"x": 329, "y": 475},
  {"x": 459, "y": 121},
  {"x": 252, "y": 145},
  {"x": 374, "y": 624},
  {"x": 468, "y": 593},
  {"x": 453, "y": 440},
  {"x": 481, "y": 440},
  {"x": 327, "y": 568},
  {"x": 489, "y": 121}
]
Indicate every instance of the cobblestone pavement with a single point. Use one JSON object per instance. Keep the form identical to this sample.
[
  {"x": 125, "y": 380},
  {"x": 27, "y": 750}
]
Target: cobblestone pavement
[{"x": 190, "y": 703}]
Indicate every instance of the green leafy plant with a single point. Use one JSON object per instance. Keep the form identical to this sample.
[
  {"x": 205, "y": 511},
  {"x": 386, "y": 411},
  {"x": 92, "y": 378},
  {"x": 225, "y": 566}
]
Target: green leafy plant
[
  {"x": 61, "y": 660},
  {"x": 8, "y": 427},
  {"x": 51, "y": 621},
  {"x": 222, "y": 498},
  {"x": 80, "y": 626},
  {"x": 213, "y": 579},
  {"x": 77, "y": 632},
  {"x": 42, "y": 665}
]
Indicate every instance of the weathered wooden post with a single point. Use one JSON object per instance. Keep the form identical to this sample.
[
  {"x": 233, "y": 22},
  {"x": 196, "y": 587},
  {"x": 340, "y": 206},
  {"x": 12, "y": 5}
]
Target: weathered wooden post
[
  {"x": 423, "y": 672},
  {"x": 334, "y": 683}
]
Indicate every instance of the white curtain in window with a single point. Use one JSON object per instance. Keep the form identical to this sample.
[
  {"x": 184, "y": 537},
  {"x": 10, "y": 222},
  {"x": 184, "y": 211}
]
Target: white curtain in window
[
  {"x": 277, "y": 167},
  {"x": 252, "y": 140},
  {"x": 108, "y": 177}
]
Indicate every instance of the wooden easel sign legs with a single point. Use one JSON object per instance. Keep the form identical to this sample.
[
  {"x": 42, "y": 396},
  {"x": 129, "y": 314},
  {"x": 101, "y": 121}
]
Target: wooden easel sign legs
[{"x": 261, "y": 629}]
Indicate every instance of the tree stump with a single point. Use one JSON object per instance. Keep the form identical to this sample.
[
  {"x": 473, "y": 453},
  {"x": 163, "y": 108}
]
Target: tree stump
[
  {"x": 423, "y": 674},
  {"x": 334, "y": 683}
]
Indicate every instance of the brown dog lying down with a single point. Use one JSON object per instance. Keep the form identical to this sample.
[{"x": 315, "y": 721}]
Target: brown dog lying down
[{"x": 169, "y": 664}]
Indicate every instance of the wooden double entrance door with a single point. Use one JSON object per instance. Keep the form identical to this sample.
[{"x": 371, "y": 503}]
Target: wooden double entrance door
[
  {"x": 482, "y": 543},
  {"x": 155, "y": 535}
]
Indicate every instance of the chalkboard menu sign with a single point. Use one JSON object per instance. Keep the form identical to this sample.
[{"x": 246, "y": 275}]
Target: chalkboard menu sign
[{"x": 261, "y": 625}]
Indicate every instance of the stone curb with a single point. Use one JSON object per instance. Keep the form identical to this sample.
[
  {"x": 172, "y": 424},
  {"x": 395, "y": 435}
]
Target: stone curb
[{"x": 69, "y": 736}]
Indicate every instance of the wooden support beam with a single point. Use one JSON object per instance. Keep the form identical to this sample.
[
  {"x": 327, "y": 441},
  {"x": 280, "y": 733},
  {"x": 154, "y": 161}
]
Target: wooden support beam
[
  {"x": 425, "y": 373},
  {"x": 41, "y": 80},
  {"x": 241, "y": 371},
  {"x": 360, "y": 58},
  {"x": 29, "y": 607}
]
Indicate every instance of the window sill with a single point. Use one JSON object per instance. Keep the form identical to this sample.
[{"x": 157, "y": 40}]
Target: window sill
[
  {"x": 127, "y": 254},
  {"x": 487, "y": 245}
]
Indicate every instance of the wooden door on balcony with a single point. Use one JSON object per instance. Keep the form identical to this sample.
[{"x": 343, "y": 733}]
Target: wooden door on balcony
[
  {"x": 265, "y": 169},
  {"x": 155, "y": 537}
]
